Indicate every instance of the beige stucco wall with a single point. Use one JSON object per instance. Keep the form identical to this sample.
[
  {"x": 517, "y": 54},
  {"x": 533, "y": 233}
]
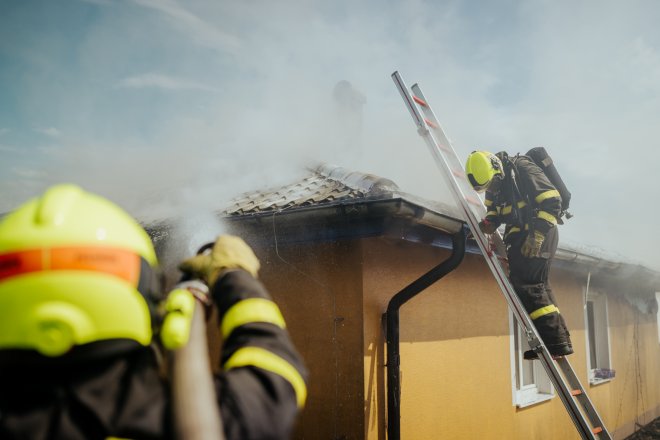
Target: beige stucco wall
[
  {"x": 634, "y": 395},
  {"x": 455, "y": 346},
  {"x": 455, "y": 354},
  {"x": 319, "y": 290}
]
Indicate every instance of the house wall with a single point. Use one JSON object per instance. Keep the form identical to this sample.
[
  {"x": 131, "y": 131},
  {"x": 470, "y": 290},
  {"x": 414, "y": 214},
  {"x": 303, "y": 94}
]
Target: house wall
[
  {"x": 455, "y": 346},
  {"x": 455, "y": 353},
  {"x": 319, "y": 289},
  {"x": 634, "y": 395}
]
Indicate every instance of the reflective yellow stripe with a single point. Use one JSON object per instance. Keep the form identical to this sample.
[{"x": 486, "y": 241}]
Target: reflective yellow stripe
[
  {"x": 513, "y": 230},
  {"x": 251, "y": 310},
  {"x": 264, "y": 359},
  {"x": 547, "y": 216},
  {"x": 547, "y": 195},
  {"x": 491, "y": 213},
  {"x": 507, "y": 208},
  {"x": 543, "y": 311},
  {"x": 488, "y": 202}
]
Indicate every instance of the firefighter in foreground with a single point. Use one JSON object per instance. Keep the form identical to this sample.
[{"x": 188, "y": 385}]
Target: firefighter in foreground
[
  {"x": 79, "y": 315},
  {"x": 520, "y": 195}
]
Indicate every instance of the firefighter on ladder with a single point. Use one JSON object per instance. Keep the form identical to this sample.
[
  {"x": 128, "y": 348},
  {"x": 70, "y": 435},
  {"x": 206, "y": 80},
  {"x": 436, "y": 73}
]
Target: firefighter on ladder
[
  {"x": 79, "y": 314},
  {"x": 521, "y": 196}
]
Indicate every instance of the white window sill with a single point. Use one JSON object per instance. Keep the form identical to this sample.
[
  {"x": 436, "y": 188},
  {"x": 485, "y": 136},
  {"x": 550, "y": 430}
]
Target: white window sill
[
  {"x": 523, "y": 401},
  {"x": 595, "y": 380}
]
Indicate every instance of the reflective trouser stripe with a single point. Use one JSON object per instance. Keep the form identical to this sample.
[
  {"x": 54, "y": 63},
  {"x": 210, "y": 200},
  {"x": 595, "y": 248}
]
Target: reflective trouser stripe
[
  {"x": 543, "y": 311},
  {"x": 251, "y": 310},
  {"x": 266, "y": 360}
]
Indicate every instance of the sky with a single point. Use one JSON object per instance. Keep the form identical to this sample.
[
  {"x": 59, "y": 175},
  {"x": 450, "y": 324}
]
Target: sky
[{"x": 170, "y": 107}]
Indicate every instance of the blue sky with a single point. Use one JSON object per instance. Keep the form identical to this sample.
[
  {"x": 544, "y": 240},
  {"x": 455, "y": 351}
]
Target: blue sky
[{"x": 168, "y": 105}]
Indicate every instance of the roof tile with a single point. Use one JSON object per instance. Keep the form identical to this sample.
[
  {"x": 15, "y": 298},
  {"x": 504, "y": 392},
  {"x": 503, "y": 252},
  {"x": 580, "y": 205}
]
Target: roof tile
[{"x": 325, "y": 184}]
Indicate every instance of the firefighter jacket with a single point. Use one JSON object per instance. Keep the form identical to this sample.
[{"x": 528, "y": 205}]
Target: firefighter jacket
[
  {"x": 260, "y": 391},
  {"x": 525, "y": 201}
]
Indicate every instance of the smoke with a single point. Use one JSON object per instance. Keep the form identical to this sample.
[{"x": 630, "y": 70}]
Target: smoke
[{"x": 173, "y": 108}]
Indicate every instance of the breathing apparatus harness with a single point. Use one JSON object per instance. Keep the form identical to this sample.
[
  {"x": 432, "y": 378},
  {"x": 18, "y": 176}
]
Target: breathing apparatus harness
[{"x": 511, "y": 186}]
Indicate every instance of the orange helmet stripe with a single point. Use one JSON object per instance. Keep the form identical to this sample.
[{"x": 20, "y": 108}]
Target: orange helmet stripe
[{"x": 121, "y": 263}]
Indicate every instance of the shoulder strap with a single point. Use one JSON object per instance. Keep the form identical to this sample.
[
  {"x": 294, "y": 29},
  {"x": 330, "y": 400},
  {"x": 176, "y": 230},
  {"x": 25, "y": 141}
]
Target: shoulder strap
[{"x": 519, "y": 188}]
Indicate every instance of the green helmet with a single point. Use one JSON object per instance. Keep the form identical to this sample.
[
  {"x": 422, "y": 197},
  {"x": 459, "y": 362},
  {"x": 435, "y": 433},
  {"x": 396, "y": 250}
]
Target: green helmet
[
  {"x": 481, "y": 167},
  {"x": 74, "y": 269}
]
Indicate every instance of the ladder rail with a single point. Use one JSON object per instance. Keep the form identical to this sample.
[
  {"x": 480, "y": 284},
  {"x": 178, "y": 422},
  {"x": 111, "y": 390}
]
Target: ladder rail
[
  {"x": 472, "y": 219},
  {"x": 473, "y": 210}
]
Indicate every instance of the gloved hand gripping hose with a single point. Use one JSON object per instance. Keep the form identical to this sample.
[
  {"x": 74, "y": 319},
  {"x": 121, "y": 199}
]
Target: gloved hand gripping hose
[{"x": 194, "y": 401}]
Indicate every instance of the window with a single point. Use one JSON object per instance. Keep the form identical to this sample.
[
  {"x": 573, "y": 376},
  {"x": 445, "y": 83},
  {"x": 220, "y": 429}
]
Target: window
[
  {"x": 598, "y": 338},
  {"x": 531, "y": 383},
  {"x": 657, "y": 301}
]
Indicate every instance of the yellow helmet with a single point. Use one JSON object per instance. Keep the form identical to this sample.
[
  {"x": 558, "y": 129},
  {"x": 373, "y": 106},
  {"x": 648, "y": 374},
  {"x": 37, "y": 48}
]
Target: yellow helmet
[
  {"x": 481, "y": 167},
  {"x": 74, "y": 269}
]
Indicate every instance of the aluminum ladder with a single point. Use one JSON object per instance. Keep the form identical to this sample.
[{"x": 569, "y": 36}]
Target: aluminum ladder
[{"x": 570, "y": 390}]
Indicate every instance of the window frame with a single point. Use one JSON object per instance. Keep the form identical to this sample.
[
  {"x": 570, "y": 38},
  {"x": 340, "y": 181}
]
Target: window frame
[
  {"x": 601, "y": 335},
  {"x": 540, "y": 389},
  {"x": 657, "y": 301}
]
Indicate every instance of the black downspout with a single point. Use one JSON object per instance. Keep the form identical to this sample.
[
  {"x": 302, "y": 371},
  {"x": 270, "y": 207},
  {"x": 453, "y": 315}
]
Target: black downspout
[{"x": 392, "y": 332}]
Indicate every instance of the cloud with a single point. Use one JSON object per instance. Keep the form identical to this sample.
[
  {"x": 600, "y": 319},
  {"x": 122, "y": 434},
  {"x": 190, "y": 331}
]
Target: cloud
[
  {"x": 27, "y": 173},
  {"x": 8, "y": 148},
  {"x": 646, "y": 61},
  {"x": 99, "y": 2},
  {"x": 49, "y": 131},
  {"x": 193, "y": 26},
  {"x": 155, "y": 80},
  {"x": 581, "y": 79}
]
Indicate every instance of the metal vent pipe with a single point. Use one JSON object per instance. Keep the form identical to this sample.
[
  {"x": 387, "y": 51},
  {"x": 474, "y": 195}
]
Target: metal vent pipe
[{"x": 392, "y": 332}]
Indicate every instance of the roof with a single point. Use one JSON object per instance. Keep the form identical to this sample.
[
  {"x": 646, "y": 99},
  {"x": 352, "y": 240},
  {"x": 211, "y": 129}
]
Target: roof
[
  {"x": 326, "y": 184},
  {"x": 328, "y": 191}
]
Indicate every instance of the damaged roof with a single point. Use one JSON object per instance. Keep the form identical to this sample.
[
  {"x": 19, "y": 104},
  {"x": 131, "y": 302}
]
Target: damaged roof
[
  {"x": 329, "y": 186},
  {"x": 355, "y": 194},
  {"x": 325, "y": 184}
]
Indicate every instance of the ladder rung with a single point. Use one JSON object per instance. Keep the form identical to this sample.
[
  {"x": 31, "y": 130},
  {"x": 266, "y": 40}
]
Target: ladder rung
[
  {"x": 473, "y": 201},
  {"x": 597, "y": 430},
  {"x": 458, "y": 173},
  {"x": 420, "y": 101},
  {"x": 576, "y": 392},
  {"x": 430, "y": 123}
]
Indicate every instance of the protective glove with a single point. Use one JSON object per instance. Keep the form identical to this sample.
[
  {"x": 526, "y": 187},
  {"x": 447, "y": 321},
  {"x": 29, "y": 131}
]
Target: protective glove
[
  {"x": 228, "y": 252},
  {"x": 532, "y": 245},
  {"x": 487, "y": 227}
]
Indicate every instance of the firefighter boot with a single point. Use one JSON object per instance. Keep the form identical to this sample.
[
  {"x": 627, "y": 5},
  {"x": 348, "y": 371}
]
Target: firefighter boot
[{"x": 539, "y": 303}]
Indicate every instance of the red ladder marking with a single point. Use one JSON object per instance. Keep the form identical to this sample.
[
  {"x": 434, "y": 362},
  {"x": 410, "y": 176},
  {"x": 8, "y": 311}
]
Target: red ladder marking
[
  {"x": 430, "y": 123},
  {"x": 420, "y": 101},
  {"x": 444, "y": 147}
]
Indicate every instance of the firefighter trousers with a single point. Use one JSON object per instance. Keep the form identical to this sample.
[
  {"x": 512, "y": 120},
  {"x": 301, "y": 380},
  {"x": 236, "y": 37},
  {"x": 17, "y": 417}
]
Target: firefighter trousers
[{"x": 529, "y": 277}]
